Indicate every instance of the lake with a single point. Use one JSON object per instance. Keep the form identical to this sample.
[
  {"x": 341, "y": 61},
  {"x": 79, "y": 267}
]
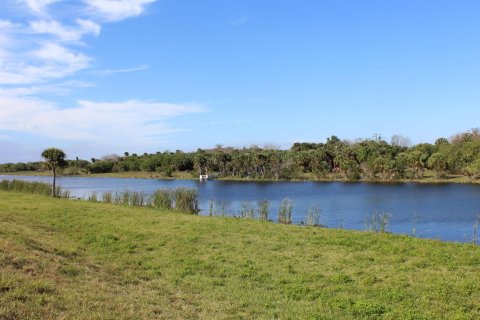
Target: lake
[{"x": 437, "y": 211}]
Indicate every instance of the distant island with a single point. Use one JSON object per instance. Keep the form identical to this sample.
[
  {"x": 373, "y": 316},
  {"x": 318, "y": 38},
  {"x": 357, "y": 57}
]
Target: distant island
[{"x": 454, "y": 160}]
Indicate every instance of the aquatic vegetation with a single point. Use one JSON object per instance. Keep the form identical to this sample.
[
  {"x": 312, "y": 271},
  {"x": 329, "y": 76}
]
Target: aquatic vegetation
[
  {"x": 378, "y": 223},
  {"x": 263, "y": 208},
  {"x": 285, "y": 211},
  {"x": 163, "y": 199},
  {"x": 313, "y": 217},
  {"x": 31, "y": 187}
]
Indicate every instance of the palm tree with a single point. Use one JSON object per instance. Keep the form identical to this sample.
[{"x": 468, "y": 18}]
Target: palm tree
[{"x": 54, "y": 158}]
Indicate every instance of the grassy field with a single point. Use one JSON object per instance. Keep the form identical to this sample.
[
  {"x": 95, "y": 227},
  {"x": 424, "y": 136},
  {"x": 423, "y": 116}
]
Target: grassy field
[{"x": 66, "y": 259}]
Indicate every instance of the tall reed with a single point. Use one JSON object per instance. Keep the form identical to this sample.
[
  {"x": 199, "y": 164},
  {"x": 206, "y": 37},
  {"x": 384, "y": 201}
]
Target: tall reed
[
  {"x": 186, "y": 200},
  {"x": 378, "y": 222},
  {"x": 28, "y": 187},
  {"x": 224, "y": 208},
  {"x": 107, "y": 197},
  {"x": 125, "y": 198},
  {"x": 247, "y": 210},
  {"x": 475, "y": 229},
  {"x": 137, "y": 199},
  {"x": 263, "y": 207},
  {"x": 211, "y": 204},
  {"x": 93, "y": 197},
  {"x": 32, "y": 187},
  {"x": 163, "y": 199},
  {"x": 285, "y": 211},
  {"x": 313, "y": 217}
]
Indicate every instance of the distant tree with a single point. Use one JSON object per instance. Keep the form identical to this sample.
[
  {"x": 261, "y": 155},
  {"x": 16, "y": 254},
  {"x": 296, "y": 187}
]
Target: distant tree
[
  {"x": 126, "y": 154},
  {"x": 473, "y": 170},
  {"x": 54, "y": 158},
  {"x": 400, "y": 141},
  {"x": 441, "y": 141},
  {"x": 438, "y": 163}
]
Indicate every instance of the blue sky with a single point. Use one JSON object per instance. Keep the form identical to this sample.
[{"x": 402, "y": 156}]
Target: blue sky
[{"x": 96, "y": 77}]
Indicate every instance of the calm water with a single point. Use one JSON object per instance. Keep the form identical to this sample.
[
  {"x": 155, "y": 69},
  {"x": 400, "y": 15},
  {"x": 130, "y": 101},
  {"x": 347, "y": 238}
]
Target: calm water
[{"x": 444, "y": 212}]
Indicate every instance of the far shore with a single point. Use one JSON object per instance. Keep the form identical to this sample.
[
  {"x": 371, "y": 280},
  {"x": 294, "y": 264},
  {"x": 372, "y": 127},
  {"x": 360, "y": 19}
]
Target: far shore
[{"x": 429, "y": 177}]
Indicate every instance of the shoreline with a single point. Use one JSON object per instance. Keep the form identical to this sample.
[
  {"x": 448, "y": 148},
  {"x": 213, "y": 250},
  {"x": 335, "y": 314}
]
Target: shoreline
[{"x": 185, "y": 176}]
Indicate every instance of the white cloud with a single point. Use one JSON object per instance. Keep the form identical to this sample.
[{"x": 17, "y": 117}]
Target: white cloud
[
  {"x": 54, "y": 53},
  {"x": 113, "y": 10},
  {"x": 6, "y": 29},
  {"x": 39, "y": 6},
  {"x": 59, "y": 89},
  {"x": 50, "y": 61},
  {"x": 42, "y": 54},
  {"x": 6, "y": 25},
  {"x": 64, "y": 33},
  {"x": 129, "y": 122}
]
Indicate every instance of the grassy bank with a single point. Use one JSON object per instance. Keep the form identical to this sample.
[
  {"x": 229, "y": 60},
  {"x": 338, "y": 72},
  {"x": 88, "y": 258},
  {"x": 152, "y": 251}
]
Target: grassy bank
[{"x": 80, "y": 260}]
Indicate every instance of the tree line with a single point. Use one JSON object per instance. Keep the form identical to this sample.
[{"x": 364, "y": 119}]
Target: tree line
[{"x": 369, "y": 159}]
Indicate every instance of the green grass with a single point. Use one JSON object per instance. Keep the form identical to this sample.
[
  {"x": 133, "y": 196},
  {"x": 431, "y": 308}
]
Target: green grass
[{"x": 67, "y": 259}]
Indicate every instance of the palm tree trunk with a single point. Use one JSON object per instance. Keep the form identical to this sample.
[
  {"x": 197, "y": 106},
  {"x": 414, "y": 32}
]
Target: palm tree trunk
[{"x": 53, "y": 185}]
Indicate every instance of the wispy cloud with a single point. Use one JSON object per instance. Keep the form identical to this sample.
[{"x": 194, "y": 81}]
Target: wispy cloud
[
  {"x": 58, "y": 89},
  {"x": 238, "y": 21},
  {"x": 113, "y": 10},
  {"x": 43, "y": 54},
  {"x": 131, "y": 122},
  {"x": 107, "y": 72},
  {"x": 39, "y": 7},
  {"x": 50, "y": 46},
  {"x": 65, "y": 33}
]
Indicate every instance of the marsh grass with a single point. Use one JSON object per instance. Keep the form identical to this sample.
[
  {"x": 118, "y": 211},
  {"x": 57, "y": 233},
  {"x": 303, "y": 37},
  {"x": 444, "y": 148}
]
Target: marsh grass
[
  {"x": 378, "y": 223},
  {"x": 414, "y": 227},
  {"x": 186, "y": 200},
  {"x": 223, "y": 208},
  {"x": 163, "y": 199},
  {"x": 181, "y": 199},
  {"x": 107, "y": 197},
  {"x": 263, "y": 208},
  {"x": 247, "y": 210},
  {"x": 39, "y": 188},
  {"x": 476, "y": 224},
  {"x": 137, "y": 199},
  {"x": 285, "y": 211},
  {"x": 313, "y": 217},
  {"x": 219, "y": 208},
  {"x": 93, "y": 197},
  {"x": 63, "y": 194},
  {"x": 211, "y": 206}
]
